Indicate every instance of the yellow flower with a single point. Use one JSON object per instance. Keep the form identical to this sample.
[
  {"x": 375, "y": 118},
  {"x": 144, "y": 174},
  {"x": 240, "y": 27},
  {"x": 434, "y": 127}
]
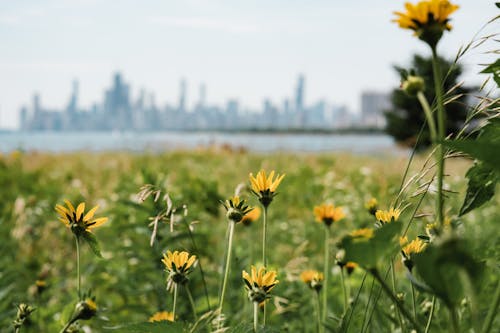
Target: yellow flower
[
  {"x": 371, "y": 206},
  {"x": 259, "y": 284},
  {"x": 162, "y": 316},
  {"x": 328, "y": 213},
  {"x": 403, "y": 241},
  {"x": 350, "y": 266},
  {"x": 427, "y": 18},
  {"x": 85, "y": 309},
  {"x": 313, "y": 279},
  {"x": 251, "y": 216},
  {"x": 178, "y": 265},
  {"x": 236, "y": 208},
  {"x": 264, "y": 187},
  {"x": 362, "y": 233},
  {"x": 415, "y": 246},
  {"x": 387, "y": 216},
  {"x": 77, "y": 220}
]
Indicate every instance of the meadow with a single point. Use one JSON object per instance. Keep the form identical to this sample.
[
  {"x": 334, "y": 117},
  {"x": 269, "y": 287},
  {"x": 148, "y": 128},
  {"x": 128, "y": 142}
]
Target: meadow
[{"x": 129, "y": 282}]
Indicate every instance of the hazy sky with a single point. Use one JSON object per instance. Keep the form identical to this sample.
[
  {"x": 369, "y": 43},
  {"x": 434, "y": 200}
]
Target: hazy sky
[{"x": 247, "y": 50}]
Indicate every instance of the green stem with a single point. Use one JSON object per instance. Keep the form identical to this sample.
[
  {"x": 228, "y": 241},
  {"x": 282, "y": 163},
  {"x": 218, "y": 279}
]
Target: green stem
[
  {"x": 342, "y": 278},
  {"x": 68, "y": 324},
  {"x": 441, "y": 134},
  {"x": 393, "y": 275},
  {"x": 255, "y": 316},
  {"x": 492, "y": 313},
  {"x": 175, "y": 301},
  {"x": 78, "y": 267},
  {"x": 413, "y": 298},
  {"x": 17, "y": 329},
  {"x": 454, "y": 320},
  {"x": 431, "y": 314},
  {"x": 264, "y": 258},
  {"x": 228, "y": 263},
  {"x": 264, "y": 236},
  {"x": 428, "y": 114},
  {"x": 367, "y": 308},
  {"x": 317, "y": 307},
  {"x": 374, "y": 272},
  {"x": 326, "y": 270},
  {"x": 191, "y": 301}
]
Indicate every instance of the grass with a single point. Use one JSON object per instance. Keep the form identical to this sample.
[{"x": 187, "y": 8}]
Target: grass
[{"x": 130, "y": 282}]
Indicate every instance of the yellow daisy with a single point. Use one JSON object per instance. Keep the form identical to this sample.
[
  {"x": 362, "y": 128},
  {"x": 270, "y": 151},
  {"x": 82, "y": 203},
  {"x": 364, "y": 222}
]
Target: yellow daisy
[
  {"x": 162, "y": 316},
  {"x": 259, "y": 283},
  {"x": 77, "y": 220},
  {"x": 264, "y": 187},
  {"x": 328, "y": 213}
]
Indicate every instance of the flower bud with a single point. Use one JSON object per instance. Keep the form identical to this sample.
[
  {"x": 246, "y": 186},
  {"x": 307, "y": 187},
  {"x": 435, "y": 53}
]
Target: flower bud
[{"x": 413, "y": 85}]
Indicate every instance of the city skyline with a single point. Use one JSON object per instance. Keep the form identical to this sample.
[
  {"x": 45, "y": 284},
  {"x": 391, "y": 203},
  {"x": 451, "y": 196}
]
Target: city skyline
[
  {"x": 119, "y": 110},
  {"x": 250, "y": 52}
]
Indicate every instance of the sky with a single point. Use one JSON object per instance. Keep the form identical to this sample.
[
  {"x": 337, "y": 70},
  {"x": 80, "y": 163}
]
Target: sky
[{"x": 247, "y": 50}]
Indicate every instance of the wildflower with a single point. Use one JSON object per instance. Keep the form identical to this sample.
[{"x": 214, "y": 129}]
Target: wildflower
[
  {"x": 365, "y": 233},
  {"x": 415, "y": 246},
  {"x": 427, "y": 18},
  {"x": 85, "y": 309},
  {"x": 236, "y": 209},
  {"x": 413, "y": 84},
  {"x": 251, "y": 216},
  {"x": 313, "y": 279},
  {"x": 371, "y": 206},
  {"x": 76, "y": 220},
  {"x": 350, "y": 266},
  {"x": 162, "y": 316},
  {"x": 264, "y": 187},
  {"x": 23, "y": 313},
  {"x": 391, "y": 215},
  {"x": 259, "y": 284},
  {"x": 178, "y": 265},
  {"x": 328, "y": 213},
  {"x": 40, "y": 286}
]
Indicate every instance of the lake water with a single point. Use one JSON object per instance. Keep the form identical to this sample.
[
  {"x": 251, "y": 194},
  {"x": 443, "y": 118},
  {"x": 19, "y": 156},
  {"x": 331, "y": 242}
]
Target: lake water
[{"x": 165, "y": 141}]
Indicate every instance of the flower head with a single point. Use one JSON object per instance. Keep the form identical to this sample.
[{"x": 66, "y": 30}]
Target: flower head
[
  {"x": 328, "y": 213},
  {"x": 365, "y": 233},
  {"x": 77, "y": 220},
  {"x": 162, "y": 316},
  {"x": 427, "y": 18},
  {"x": 415, "y": 246},
  {"x": 251, "y": 216},
  {"x": 313, "y": 279},
  {"x": 384, "y": 216},
  {"x": 259, "y": 283},
  {"x": 264, "y": 187},
  {"x": 350, "y": 266},
  {"x": 85, "y": 309},
  {"x": 371, "y": 206},
  {"x": 178, "y": 265},
  {"x": 236, "y": 208}
]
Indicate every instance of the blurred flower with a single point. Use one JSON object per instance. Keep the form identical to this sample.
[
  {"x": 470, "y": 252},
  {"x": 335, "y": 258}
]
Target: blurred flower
[
  {"x": 178, "y": 265},
  {"x": 85, "y": 309},
  {"x": 403, "y": 241},
  {"x": 236, "y": 209},
  {"x": 371, "y": 206},
  {"x": 415, "y": 246},
  {"x": 162, "y": 316},
  {"x": 259, "y": 284},
  {"x": 427, "y": 18},
  {"x": 76, "y": 220},
  {"x": 251, "y": 216},
  {"x": 313, "y": 279},
  {"x": 328, "y": 213},
  {"x": 362, "y": 233},
  {"x": 264, "y": 187},
  {"x": 384, "y": 216},
  {"x": 23, "y": 313},
  {"x": 350, "y": 266},
  {"x": 413, "y": 84}
]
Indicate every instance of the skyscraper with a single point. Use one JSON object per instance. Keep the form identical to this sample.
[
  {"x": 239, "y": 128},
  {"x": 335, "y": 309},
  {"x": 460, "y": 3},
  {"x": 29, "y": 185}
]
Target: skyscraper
[
  {"x": 373, "y": 105},
  {"x": 182, "y": 95}
]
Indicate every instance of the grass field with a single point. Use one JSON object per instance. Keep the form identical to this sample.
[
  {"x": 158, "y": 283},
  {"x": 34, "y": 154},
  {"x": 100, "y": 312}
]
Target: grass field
[{"x": 130, "y": 283}]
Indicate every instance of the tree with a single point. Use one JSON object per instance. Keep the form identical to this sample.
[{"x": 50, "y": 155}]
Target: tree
[{"x": 405, "y": 119}]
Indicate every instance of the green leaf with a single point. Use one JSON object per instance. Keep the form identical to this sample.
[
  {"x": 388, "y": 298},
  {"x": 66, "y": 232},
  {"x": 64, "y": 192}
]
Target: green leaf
[
  {"x": 92, "y": 242},
  {"x": 156, "y": 327},
  {"x": 448, "y": 269},
  {"x": 494, "y": 69},
  {"x": 369, "y": 252},
  {"x": 481, "y": 187}
]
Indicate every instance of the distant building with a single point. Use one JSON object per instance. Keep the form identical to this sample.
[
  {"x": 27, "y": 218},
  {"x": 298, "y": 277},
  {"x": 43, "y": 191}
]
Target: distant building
[{"x": 373, "y": 105}]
